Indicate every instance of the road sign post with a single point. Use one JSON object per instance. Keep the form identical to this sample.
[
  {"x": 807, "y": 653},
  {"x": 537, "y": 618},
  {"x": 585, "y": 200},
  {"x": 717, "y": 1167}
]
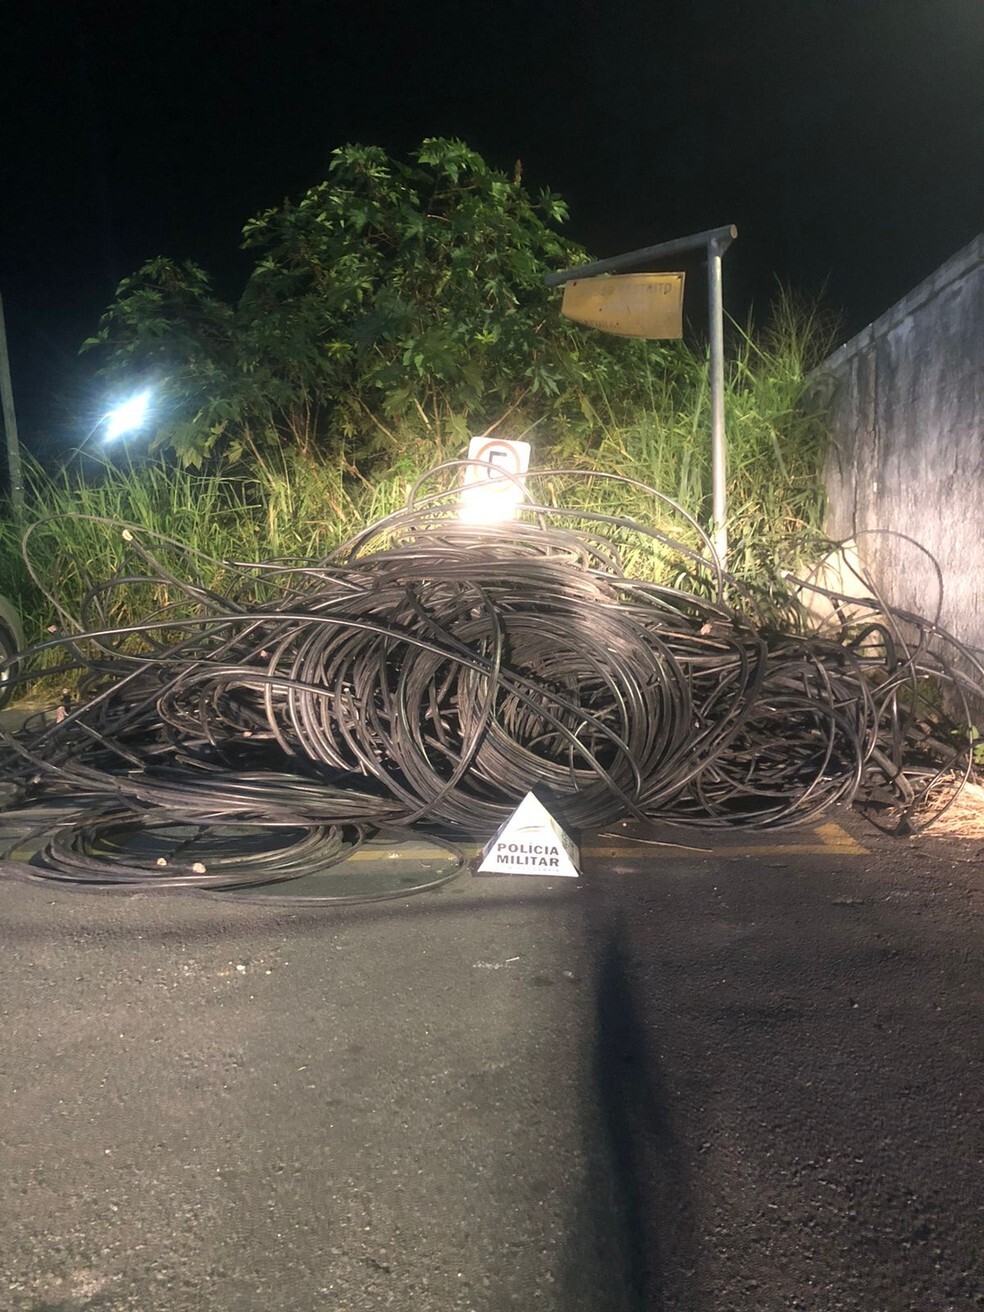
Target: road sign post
[{"x": 715, "y": 241}]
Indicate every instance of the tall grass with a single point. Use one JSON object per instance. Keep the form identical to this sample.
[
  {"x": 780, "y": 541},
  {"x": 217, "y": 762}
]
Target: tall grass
[
  {"x": 197, "y": 521},
  {"x": 775, "y": 446},
  {"x": 296, "y": 507}
]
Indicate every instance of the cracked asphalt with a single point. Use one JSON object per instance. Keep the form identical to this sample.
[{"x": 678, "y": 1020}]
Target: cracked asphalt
[{"x": 748, "y": 1077}]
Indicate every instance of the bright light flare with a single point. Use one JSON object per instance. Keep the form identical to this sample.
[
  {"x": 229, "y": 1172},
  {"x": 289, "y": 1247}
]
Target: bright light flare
[
  {"x": 492, "y": 482},
  {"x": 127, "y": 416},
  {"x": 491, "y": 502}
]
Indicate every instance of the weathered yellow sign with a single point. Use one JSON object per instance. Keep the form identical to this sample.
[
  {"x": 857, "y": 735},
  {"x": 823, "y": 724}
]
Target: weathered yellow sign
[{"x": 629, "y": 304}]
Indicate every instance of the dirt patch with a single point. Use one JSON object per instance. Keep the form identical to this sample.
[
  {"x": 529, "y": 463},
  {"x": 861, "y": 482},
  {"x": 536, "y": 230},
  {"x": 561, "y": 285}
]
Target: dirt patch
[{"x": 965, "y": 817}]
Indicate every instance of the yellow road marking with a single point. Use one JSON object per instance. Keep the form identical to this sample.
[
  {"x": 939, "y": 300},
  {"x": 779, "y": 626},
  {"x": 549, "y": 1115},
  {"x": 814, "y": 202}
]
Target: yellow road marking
[
  {"x": 385, "y": 854},
  {"x": 834, "y": 841},
  {"x": 836, "y": 837}
]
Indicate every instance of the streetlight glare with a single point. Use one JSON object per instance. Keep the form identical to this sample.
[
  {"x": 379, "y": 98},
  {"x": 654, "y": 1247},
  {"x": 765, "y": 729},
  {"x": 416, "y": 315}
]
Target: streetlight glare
[{"x": 127, "y": 416}]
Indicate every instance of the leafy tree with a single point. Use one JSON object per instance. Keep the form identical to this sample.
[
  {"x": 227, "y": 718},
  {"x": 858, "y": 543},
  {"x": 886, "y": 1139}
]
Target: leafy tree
[{"x": 392, "y": 298}]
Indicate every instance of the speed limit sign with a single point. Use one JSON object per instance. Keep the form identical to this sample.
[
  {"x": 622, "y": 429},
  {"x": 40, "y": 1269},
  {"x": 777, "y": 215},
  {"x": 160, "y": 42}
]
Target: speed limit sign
[
  {"x": 495, "y": 453},
  {"x": 492, "y": 483}
]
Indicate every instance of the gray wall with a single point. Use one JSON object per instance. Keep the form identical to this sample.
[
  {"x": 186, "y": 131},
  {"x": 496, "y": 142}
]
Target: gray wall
[{"x": 907, "y": 400}]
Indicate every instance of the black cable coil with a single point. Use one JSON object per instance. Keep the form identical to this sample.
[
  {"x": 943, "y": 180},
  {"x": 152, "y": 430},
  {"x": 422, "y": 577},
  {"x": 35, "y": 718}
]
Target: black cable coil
[{"x": 432, "y": 671}]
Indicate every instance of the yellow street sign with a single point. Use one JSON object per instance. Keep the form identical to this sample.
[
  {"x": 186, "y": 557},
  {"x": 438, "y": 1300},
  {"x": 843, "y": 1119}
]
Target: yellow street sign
[{"x": 628, "y": 304}]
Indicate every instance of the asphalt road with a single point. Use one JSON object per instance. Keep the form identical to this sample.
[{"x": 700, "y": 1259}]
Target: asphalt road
[{"x": 745, "y": 1079}]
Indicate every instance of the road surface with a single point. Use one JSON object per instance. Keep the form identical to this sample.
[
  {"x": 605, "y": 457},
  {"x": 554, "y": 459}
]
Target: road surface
[{"x": 744, "y": 1077}]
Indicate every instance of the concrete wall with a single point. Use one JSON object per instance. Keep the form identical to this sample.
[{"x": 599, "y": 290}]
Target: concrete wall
[{"x": 907, "y": 400}]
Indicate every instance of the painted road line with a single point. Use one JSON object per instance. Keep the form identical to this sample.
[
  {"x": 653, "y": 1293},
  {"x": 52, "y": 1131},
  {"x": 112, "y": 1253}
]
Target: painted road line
[{"x": 833, "y": 841}]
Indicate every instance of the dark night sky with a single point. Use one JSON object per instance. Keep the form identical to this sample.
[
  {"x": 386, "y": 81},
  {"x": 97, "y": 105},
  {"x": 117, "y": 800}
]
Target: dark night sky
[{"x": 845, "y": 138}]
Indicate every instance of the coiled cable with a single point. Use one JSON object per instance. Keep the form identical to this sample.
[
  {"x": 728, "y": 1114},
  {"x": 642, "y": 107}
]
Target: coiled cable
[{"x": 431, "y": 672}]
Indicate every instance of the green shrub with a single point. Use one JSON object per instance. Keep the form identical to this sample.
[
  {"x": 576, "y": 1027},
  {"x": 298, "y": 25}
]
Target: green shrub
[{"x": 391, "y": 298}]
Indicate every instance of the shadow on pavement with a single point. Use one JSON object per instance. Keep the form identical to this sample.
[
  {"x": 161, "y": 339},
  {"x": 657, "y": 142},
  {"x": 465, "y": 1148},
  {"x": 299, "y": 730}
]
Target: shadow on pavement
[{"x": 640, "y": 1215}]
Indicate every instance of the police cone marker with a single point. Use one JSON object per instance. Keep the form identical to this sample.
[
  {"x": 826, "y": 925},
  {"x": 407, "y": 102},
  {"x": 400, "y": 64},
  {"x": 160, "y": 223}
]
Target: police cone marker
[{"x": 531, "y": 842}]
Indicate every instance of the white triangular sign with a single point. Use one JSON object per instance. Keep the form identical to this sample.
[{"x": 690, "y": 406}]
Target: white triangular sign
[{"x": 531, "y": 842}]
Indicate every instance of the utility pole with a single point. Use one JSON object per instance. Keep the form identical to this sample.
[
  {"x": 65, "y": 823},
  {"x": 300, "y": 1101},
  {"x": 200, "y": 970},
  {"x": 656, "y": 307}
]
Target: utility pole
[{"x": 10, "y": 426}]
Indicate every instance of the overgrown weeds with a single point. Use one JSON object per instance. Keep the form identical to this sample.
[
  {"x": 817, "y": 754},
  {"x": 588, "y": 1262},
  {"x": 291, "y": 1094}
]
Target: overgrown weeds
[{"x": 286, "y": 504}]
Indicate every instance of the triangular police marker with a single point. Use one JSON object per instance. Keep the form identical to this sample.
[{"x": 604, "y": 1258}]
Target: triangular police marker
[{"x": 531, "y": 842}]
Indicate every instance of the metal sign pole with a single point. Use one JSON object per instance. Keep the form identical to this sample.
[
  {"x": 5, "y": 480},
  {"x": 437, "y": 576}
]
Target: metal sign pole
[
  {"x": 10, "y": 427},
  {"x": 716, "y": 241},
  {"x": 719, "y": 469}
]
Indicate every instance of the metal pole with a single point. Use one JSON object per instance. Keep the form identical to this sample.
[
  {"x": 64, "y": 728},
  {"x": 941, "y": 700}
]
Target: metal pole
[
  {"x": 663, "y": 250},
  {"x": 10, "y": 426},
  {"x": 716, "y": 241},
  {"x": 719, "y": 474}
]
